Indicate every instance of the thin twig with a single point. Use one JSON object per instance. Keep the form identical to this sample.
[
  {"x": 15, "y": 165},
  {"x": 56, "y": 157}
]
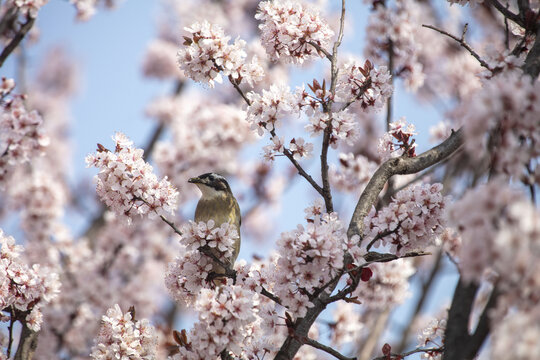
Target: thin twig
[
  {"x": 320, "y": 49},
  {"x": 461, "y": 41},
  {"x": 327, "y": 349},
  {"x": 299, "y": 167},
  {"x": 383, "y": 234}
]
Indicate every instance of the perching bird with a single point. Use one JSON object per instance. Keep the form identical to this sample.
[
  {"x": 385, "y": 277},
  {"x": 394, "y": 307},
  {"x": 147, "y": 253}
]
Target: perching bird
[{"x": 218, "y": 203}]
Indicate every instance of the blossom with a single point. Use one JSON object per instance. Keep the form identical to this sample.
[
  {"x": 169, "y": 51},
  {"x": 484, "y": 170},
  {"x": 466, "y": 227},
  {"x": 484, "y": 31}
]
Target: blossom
[
  {"x": 501, "y": 120},
  {"x": 308, "y": 258},
  {"x": 6, "y": 86},
  {"x": 160, "y": 60},
  {"x": 353, "y": 173},
  {"x": 402, "y": 132},
  {"x": 266, "y": 111},
  {"x": 21, "y": 136},
  {"x": 291, "y": 31},
  {"x": 367, "y": 85},
  {"x": 388, "y": 286},
  {"x": 499, "y": 231},
  {"x": 29, "y": 7},
  {"x": 343, "y": 126},
  {"x": 398, "y": 25},
  {"x": 299, "y": 148},
  {"x": 127, "y": 184},
  {"x": 122, "y": 337},
  {"x": 25, "y": 288},
  {"x": 226, "y": 321},
  {"x": 412, "y": 221},
  {"x": 207, "y": 55},
  {"x": 346, "y": 323}
]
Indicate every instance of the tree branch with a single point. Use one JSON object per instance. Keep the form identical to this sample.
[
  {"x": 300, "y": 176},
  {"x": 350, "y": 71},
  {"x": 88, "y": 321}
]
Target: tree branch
[
  {"x": 395, "y": 166},
  {"x": 327, "y": 349},
  {"x": 457, "y": 333},
  {"x": 19, "y": 36},
  {"x": 461, "y": 41},
  {"x": 27, "y": 343},
  {"x": 505, "y": 12}
]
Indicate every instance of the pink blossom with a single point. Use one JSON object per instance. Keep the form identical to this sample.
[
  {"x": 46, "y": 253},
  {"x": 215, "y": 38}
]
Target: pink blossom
[
  {"x": 289, "y": 28},
  {"x": 29, "y": 7},
  {"x": 23, "y": 287},
  {"x": 121, "y": 337},
  {"x": 504, "y": 112},
  {"x": 388, "y": 286},
  {"x": 126, "y": 182},
  {"x": 367, "y": 85},
  {"x": 353, "y": 172},
  {"x": 207, "y": 55},
  {"x": 160, "y": 60},
  {"x": 412, "y": 221},
  {"x": 400, "y": 132},
  {"x": 267, "y": 110},
  {"x": 300, "y": 149},
  {"x": 21, "y": 136}
]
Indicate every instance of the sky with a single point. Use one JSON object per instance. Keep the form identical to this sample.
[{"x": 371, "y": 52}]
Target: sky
[{"x": 113, "y": 94}]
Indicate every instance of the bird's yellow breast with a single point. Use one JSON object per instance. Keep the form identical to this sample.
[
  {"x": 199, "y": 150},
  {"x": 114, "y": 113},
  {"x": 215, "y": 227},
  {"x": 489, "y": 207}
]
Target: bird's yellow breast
[{"x": 221, "y": 209}]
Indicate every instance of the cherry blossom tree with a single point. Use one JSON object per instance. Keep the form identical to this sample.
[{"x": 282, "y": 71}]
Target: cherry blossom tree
[{"x": 386, "y": 215}]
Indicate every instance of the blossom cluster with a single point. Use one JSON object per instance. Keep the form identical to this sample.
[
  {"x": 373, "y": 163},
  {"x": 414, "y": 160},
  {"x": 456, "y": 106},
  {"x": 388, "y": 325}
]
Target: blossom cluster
[
  {"x": 189, "y": 273},
  {"x": 499, "y": 230},
  {"x": 292, "y": 31},
  {"x": 207, "y": 135},
  {"x": 207, "y": 55},
  {"x": 342, "y": 122},
  {"x": 501, "y": 120},
  {"x": 267, "y": 109},
  {"x": 353, "y": 172},
  {"x": 388, "y": 286},
  {"x": 433, "y": 333},
  {"x": 227, "y": 322},
  {"x": 399, "y": 131},
  {"x": 398, "y": 27},
  {"x": 160, "y": 60},
  {"x": 21, "y": 135},
  {"x": 127, "y": 184},
  {"x": 412, "y": 221},
  {"x": 517, "y": 333},
  {"x": 365, "y": 84},
  {"x": 25, "y": 289},
  {"x": 346, "y": 324},
  {"x": 309, "y": 257},
  {"x": 122, "y": 337}
]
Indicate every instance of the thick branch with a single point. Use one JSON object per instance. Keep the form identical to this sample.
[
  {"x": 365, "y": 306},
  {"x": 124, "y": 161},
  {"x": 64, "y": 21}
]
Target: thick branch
[
  {"x": 457, "y": 333},
  {"x": 27, "y": 344},
  {"x": 532, "y": 61},
  {"x": 505, "y": 12},
  {"x": 401, "y": 166}
]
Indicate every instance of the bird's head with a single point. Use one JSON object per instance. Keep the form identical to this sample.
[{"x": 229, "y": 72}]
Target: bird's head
[{"x": 211, "y": 185}]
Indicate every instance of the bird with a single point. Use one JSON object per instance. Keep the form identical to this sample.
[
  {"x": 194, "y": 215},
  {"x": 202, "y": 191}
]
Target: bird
[{"x": 219, "y": 204}]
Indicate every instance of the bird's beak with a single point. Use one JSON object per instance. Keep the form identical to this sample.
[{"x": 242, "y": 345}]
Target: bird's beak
[{"x": 195, "y": 180}]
